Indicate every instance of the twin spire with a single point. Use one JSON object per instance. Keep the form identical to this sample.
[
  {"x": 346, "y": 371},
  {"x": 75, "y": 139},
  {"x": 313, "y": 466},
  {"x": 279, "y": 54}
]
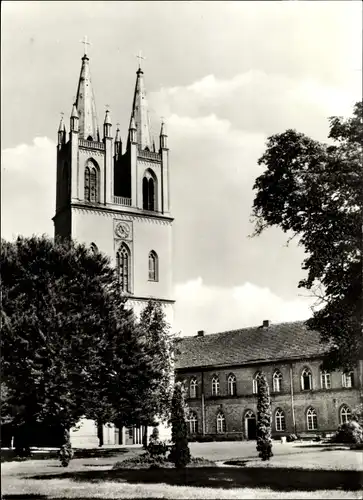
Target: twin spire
[{"x": 84, "y": 115}]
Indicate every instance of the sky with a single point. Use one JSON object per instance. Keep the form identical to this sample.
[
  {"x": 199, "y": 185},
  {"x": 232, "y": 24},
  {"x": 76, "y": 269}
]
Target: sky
[{"x": 225, "y": 76}]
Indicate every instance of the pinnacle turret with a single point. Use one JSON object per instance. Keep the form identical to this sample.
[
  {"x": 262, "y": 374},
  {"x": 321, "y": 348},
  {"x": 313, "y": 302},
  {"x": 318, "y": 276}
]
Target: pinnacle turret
[
  {"x": 140, "y": 113},
  {"x": 85, "y": 104}
]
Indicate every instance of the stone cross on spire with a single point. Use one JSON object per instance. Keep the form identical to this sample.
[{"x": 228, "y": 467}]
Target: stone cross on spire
[
  {"x": 139, "y": 57},
  {"x": 85, "y": 43}
]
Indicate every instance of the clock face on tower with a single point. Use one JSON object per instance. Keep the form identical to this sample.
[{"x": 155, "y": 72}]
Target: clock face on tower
[{"x": 122, "y": 230}]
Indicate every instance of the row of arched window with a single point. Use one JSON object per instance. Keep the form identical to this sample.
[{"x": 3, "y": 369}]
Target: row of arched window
[
  {"x": 279, "y": 418},
  {"x": 306, "y": 382},
  {"x": 123, "y": 266},
  {"x": 92, "y": 186}
]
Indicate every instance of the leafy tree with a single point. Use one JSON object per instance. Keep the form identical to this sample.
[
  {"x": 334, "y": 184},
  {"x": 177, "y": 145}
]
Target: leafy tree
[
  {"x": 70, "y": 346},
  {"x": 263, "y": 431},
  {"x": 315, "y": 191},
  {"x": 180, "y": 453},
  {"x": 159, "y": 343}
]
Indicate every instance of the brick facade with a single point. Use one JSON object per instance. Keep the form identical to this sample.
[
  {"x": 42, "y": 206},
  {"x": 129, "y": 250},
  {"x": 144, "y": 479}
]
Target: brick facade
[{"x": 291, "y": 398}]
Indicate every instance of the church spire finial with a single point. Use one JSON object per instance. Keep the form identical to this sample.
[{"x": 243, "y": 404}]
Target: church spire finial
[
  {"x": 85, "y": 101},
  {"x": 139, "y": 114},
  {"x": 85, "y": 43},
  {"x": 139, "y": 57}
]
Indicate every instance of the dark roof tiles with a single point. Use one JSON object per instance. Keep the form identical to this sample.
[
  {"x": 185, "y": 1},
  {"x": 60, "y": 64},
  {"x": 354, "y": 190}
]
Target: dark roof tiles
[{"x": 248, "y": 345}]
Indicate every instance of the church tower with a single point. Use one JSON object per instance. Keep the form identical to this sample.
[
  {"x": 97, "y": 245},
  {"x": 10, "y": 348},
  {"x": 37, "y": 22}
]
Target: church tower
[{"x": 115, "y": 197}]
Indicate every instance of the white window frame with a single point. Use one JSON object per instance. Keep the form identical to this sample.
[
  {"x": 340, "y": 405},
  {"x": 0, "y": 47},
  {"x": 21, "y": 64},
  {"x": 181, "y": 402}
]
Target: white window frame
[
  {"x": 193, "y": 423},
  {"x": 280, "y": 421},
  {"x": 255, "y": 382},
  {"x": 312, "y": 419},
  {"x": 308, "y": 372},
  {"x": 215, "y": 386},
  {"x": 325, "y": 379},
  {"x": 345, "y": 414},
  {"x": 232, "y": 385},
  {"x": 347, "y": 380},
  {"x": 221, "y": 423},
  {"x": 193, "y": 388},
  {"x": 276, "y": 381}
]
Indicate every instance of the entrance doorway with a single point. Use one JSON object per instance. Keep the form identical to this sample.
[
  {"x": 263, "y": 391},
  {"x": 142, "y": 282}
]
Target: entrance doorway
[{"x": 250, "y": 425}]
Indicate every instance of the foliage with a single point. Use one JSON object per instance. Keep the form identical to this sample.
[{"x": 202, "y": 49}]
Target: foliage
[
  {"x": 156, "y": 447},
  {"x": 357, "y": 414},
  {"x": 263, "y": 430},
  {"x": 158, "y": 344},
  {"x": 314, "y": 192},
  {"x": 66, "y": 453},
  {"x": 70, "y": 346},
  {"x": 349, "y": 432},
  {"x": 180, "y": 453}
]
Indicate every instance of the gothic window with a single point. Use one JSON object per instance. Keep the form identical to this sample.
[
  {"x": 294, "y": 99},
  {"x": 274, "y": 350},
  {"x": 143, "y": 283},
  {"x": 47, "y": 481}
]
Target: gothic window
[
  {"x": 312, "y": 419},
  {"x": 306, "y": 380},
  {"x": 221, "y": 423},
  {"x": 345, "y": 414},
  {"x": 193, "y": 388},
  {"x": 347, "y": 380},
  {"x": 91, "y": 182},
  {"x": 276, "y": 381},
  {"x": 123, "y": 268},
  {"x": 215, "y": 386},
  {"x": 153, "y": 266},
  {"x": 280, "y": 420},
  {"x": 232, "y": 385},
  {"x": 255, "y": 382},
  {"x": 193, "y": 423},
  {"x": 149, "y": 191},
  {"x": 325, "y": 380}
]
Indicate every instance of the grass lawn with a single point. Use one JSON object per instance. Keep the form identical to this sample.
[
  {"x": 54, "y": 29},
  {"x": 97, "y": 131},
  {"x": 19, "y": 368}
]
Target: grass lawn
[{"x": 311, "y": 473}]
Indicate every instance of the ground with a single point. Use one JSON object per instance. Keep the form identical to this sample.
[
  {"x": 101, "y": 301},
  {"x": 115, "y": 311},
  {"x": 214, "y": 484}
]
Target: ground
[{"x": 295, "y": 471}]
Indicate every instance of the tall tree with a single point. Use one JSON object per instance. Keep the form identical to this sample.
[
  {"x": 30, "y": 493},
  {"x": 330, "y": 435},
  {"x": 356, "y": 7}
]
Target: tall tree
[
  {"x": 263, "y": 431},
  {"x": 314, "y": 191},
  {"x": 180, "y": 453},
  {"x": 70, "y": 346}
]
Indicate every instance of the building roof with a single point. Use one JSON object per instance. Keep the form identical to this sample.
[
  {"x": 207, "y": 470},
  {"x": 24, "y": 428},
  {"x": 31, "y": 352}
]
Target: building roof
[{"x": 249, "y": 345}]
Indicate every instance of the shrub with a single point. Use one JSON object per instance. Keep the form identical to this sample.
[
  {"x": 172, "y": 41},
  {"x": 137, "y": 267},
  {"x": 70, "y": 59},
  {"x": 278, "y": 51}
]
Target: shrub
[
  {"x": 180, "y": 453},
  {"x": 65, "y": 454},
  {"x": 349, "y": 432},
  {"x": 156, "y": 447},
  {"x": 264, "y": 441}
]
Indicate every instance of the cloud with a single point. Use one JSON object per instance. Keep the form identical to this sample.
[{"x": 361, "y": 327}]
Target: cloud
[
  {"x": 28, "y": 188},
  {"x": 215, "y": 308}
]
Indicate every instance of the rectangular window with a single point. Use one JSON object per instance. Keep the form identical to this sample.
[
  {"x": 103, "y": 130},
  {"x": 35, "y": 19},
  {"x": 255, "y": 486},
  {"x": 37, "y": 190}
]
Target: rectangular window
[
  {"x": 325, "y": 380},
  {"x": 347, "y": 380}
]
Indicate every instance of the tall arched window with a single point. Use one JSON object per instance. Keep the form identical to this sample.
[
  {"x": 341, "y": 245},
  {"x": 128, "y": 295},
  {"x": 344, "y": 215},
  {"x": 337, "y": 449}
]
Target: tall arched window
[
  {"x": 306, "y": 380},
  {"x": 91, "y": 182},
  {"x": 221, "y": 423},
  {"x": 153, "y": 266},
  {"x": 193, "y": 388},
  {"x": 347, "y": 380},
  {"x": 255, "y": 382},
  {"x": 345, "y": 414},
  {"x": 193, "y": 422},
  {"x": 123, "y": 266},
  {"x": 325, "y": 379},
  {"x": 232, "y": 385},
  {"x": 280, "y": 423},
  {"x": 276, "y": 381},
  {"x": 215, "y": 386},
  {"x": 149, "y": 191},
  {"x": 312, "y": 419}
]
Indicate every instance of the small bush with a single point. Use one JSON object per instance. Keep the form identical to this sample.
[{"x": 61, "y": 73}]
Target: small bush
[
  {"x": 65, "y": 454},
  {"x": 349, "y": 432},
  {"x": 156, "y": 447}
]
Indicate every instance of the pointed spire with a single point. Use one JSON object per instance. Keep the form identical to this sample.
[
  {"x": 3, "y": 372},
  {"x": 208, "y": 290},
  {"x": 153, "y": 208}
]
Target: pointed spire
[
  {"x": 132, "y": 131},
  {"x": 118, "y": 143},
  {"x": 140, "y": 113},
  {"x": 85, "y": 103},
  {"x": 61, "y": 131},
  {"x": 163, "y": 136},
  {"x": 74, "y": 119},
  {"x": 107, "y": 125}
]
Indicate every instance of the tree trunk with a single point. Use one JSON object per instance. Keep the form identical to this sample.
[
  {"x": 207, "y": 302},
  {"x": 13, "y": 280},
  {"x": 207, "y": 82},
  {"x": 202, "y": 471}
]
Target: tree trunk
[
  {"x": 144, "y": 436},
  {"x": 100, "y": 433},
  {"x": 21, "y": 441}
]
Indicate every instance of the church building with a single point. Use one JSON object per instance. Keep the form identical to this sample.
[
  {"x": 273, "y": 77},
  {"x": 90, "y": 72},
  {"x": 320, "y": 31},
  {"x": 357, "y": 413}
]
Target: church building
[{"x": 115, "y": 196}]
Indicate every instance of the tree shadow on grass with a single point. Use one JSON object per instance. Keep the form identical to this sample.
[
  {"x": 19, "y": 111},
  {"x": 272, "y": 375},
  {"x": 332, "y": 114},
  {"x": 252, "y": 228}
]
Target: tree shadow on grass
[{"x": 280, "y": 479}]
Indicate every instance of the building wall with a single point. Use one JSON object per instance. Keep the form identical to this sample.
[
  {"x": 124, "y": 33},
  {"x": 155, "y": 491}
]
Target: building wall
[{"x": 326, "y": 402}]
